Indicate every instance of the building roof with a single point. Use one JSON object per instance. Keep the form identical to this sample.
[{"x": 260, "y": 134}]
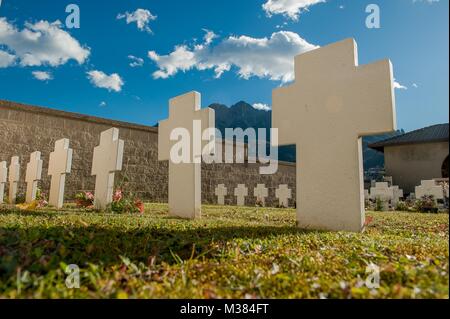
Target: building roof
[{"x": 430, "y": 134}]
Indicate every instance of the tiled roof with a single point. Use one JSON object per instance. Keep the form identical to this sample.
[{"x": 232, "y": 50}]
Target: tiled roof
[{"x": 434, "y": 133}]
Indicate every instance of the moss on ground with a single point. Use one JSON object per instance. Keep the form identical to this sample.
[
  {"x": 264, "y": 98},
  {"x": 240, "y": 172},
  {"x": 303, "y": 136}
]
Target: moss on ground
[{"x": 230, "y": 253}]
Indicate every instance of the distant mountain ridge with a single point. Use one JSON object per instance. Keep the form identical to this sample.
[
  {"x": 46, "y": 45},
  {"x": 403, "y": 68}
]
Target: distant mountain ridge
[{"x": 244, "y": 115}]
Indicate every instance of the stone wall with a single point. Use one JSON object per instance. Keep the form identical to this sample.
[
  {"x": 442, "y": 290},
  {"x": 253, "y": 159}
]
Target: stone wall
[{"x": 25, "y": 129}]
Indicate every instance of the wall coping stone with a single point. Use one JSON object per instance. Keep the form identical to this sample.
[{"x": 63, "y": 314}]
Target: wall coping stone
[
  {"x": 74, "y": 116},
  {"x": 4, "y": 104}
]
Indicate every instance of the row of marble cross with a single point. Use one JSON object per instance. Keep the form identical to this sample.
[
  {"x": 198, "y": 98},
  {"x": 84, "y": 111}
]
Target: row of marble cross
[
  {"x": 283, "y": 193},
  {"x": 106, "y": 161},
  {"x": 393, "y": 194}
]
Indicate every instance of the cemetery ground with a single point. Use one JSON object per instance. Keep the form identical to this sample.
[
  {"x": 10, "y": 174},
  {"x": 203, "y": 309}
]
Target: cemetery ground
[{"x": 230, "y": 253}]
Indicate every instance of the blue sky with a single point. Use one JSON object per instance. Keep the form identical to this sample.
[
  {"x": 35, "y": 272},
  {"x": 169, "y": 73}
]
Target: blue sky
[{"x": 227, "y": 50}]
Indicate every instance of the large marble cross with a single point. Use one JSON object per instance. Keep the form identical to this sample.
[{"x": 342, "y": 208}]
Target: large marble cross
[
  {"x": 241, "y": 191},
  {"x": 261, "y": 192},
  {"x": 59, "y": 165},
  {"x": 107, "y": 160},
  {"x": 3, "y": 179},
  {"x": 333, "y": 103},
  {"x": 13, "y": 178},
  {"x": 185, "y": 116},
  {"x": 221, "y": 192},
  {"x": 283, "y": 193},
  {"x": 33, "y": 175}
]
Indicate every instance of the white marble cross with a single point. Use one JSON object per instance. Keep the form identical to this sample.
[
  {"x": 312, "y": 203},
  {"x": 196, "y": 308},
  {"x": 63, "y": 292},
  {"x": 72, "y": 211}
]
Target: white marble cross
[
  {"x": 186, "y": 116},
  {"x": 14, "y": 176},
  {"x": 241, "y": 191},
  {"x": 332, "y": 104},
  {"x": 3, "y": 179},
  {"x": 261, "y": 192},
  {"x": 59, "y": 165},
  {"x": 33, "y": 175},
  {"x": 221, "y": 192},
  {"x": 398, "y": 194},
  {"x": 382, "y": 191},
  {"x": 429, "y": 188},
  {"x": 284, "y": 194},
  {"x": 107, "y": 160}
]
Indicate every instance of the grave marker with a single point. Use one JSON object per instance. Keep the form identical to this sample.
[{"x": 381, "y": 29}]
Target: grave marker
[
  {"x": 14, "y": 176},
  {"x": 333, "y": 103},
  {"x": 429, "y": 188},
  {"x": 185, "y": 177},
  {"x": 221, "y": 192},
  {"x": 261, "y": 192},
  {"x": 382, "y": 191},
  {"x": 59, "y": 165},
  {"x": 398, "y": 194},
  {"x": 240, "y": 192},
  {"x": 283, "y": 193},
  {"x": 107, "y": 160},
  {"x": 3, "y": 179},
  {"x": 33, "y": 175}
]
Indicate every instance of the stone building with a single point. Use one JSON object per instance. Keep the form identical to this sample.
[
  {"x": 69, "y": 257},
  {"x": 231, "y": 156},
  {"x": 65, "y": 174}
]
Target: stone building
[
  {"x": 25, "y": 129},
  {"x": 415, "y": 156}
]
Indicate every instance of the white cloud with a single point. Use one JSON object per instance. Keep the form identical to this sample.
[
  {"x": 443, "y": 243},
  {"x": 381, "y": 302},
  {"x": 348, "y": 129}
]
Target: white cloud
[
  {"x": 141, "y": 17},
  {"x": 399, "y": 86},
  {"x": 271, "y": 58},
  {"x": 102, "y": 103},
  {"x": 135, "y": 61},
  {"x": 289, "y": 8},
  {"x": 42, "y": 75},
  {"x": 111, "y": 82},
  {"x": 41, "y": 43},
  {"x": 6, "y": 59},
  {"x": 261, "y": 106},
  {"x": 415, "y": 85}
]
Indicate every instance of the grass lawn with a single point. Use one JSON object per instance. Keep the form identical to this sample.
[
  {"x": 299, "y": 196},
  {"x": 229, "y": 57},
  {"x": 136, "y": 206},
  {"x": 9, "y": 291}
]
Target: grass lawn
[{"x": 230, "y": 253}]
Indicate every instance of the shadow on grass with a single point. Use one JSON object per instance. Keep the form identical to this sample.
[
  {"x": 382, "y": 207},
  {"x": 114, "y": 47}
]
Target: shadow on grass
[{"x": 41, "y": 249}]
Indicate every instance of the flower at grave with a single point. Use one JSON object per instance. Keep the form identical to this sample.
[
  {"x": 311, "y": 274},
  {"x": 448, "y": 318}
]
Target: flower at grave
[
  {"x": 369, "y": 220},
  {"x": 84, "y": 200},
  {"x": 30, "y": 206},
  {"x": 124, "y": 203},
  {"x": 42, "y": 203},
  {"x": 140, "y": 206},
  {"x": 117, "y": 195}
]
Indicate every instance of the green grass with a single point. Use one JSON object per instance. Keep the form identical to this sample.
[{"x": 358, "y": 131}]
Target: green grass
[{"x": 229, "y": 253}]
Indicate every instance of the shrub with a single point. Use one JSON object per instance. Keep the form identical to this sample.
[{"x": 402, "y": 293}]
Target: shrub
[
  {"x": 122, "y": 204},
  {"x": 84, "y": 200},
  {"x": 41, "y": 198},
  {"x": 379, "y": 205},
  {"x": 402, "y": 206},
  {"x": 426, "y": 204}
]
